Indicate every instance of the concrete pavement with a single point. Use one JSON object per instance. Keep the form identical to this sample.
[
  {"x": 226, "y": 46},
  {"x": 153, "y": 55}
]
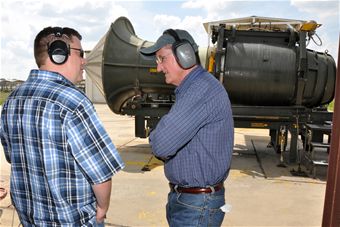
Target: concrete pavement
[{"x": 267, "y": 196}]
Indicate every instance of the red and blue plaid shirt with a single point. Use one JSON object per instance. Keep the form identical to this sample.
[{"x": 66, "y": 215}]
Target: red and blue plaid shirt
[{"x": 57, "y": 148}]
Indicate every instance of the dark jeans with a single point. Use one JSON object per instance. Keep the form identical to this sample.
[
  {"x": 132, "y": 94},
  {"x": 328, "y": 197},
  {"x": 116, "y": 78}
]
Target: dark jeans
[{"x": 184, "y": 209}]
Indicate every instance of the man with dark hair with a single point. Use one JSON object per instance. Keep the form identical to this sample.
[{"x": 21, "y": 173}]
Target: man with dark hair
[
  {"x": 62, "y": 159},
  {"x": 195, "y": 139}
]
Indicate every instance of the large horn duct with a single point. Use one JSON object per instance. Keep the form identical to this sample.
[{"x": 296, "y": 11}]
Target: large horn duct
[{"x": 124, "y": 72}]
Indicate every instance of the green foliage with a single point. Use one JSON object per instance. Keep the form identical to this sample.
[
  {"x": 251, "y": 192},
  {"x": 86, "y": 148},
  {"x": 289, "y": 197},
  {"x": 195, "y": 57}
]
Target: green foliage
[{"x": 3, "y": 96}]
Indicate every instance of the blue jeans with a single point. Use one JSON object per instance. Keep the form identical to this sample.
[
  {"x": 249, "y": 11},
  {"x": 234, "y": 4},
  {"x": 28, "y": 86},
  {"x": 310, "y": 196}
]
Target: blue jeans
[
  {"x": 187, "y": 210},
  {"x": 100, "y": 224}
]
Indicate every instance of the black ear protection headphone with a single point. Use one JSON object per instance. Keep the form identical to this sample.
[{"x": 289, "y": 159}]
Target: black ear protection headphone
[
  {"x": 183, "y": 50},
  {"x": 58, "y": 50}
]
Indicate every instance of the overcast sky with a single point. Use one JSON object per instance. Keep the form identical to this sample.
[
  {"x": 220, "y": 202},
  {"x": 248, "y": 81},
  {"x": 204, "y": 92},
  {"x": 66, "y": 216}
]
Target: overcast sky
[{"x": 22, "y": 20}]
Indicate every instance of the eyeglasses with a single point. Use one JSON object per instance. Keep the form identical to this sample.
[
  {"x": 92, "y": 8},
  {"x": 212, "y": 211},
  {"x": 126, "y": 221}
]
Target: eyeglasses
[
  {"x": 161, "y": 59},
  {"x": 81, "y": 51}
]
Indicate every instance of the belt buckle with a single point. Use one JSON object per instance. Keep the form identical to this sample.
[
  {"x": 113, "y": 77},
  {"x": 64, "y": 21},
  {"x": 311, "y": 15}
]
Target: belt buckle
[
  {"x": 175, "y": 188},
  {"x": 212, "y": 189}
]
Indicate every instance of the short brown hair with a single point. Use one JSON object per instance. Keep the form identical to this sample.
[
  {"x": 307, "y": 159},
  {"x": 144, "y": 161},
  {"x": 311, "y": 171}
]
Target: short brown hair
[{"x": 46, "y": 36}]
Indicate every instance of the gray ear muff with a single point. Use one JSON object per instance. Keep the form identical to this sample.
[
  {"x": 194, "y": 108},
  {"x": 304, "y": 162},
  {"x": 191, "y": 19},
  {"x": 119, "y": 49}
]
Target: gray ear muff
[
  {"x": 183, "y": 50},
  {"x": 185, "y": 55}
]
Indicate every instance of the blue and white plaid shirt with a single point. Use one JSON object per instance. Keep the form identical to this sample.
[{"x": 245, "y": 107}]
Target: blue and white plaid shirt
[
  {"x": 57, "y": 148},
  {"x": 196, "y": 137}
]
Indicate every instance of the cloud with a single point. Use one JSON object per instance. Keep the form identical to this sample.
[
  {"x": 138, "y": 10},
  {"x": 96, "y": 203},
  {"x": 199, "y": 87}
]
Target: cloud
[
  {"x": 163, "y": 22},
  {"x": 321, "y": 9},
  {"x": 192, "y": 24},
  {"x": 16, "y": 62},
  {"x": 21, "y": 20},
  {"x": 207, "y": 5},
  {"x": 213, "y": 11}
]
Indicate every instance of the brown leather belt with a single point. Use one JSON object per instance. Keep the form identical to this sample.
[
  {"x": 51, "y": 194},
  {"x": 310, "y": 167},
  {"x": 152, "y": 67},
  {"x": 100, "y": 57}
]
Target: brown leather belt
[{"x": 195, "y": 190}]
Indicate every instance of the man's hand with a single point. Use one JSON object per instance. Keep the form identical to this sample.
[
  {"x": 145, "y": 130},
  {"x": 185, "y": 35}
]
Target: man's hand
[
  {"x": 102, "y": 192},
  {"x": 100, "y": 215}
]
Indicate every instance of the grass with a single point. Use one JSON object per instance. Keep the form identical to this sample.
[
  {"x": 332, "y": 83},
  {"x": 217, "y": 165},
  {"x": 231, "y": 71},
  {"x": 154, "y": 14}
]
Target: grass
[{"x": 3, "y": 96}]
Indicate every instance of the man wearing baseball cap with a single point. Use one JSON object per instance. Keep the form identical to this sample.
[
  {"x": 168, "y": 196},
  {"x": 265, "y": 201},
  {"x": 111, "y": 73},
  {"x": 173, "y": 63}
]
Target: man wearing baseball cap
[{"x": 196, "y": 138}]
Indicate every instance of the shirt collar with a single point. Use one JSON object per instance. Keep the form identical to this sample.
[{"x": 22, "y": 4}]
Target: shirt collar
[
  {"x": 189, "y": 79},
  {"x": 48, "y": 75}
]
